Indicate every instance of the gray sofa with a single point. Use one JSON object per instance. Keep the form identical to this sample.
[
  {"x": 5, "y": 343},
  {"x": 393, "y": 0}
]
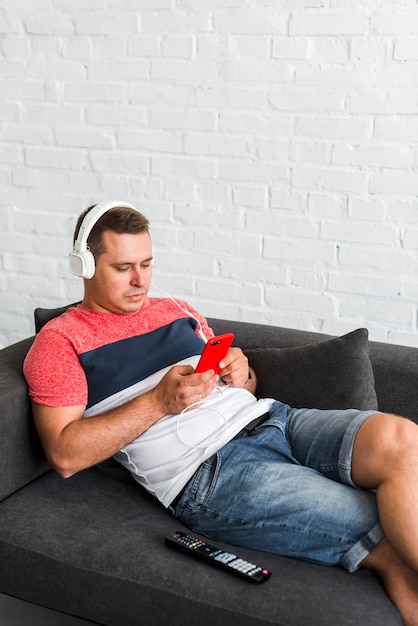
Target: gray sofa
[{"x": 93, "y": 545}]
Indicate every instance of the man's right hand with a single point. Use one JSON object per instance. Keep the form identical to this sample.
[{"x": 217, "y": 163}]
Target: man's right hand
[{"x": 181, "y": 387}]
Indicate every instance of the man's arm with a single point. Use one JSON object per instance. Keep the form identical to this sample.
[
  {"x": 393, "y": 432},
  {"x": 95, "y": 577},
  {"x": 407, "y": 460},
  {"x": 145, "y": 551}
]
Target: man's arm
[{"x": 73, "y": 443}]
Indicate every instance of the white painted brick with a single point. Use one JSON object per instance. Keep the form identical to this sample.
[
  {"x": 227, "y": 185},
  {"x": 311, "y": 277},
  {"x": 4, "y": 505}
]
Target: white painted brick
[
  {"x": 103, "y": 91},
  {"x": 144, "y": 46},
  {"x": 114, "y": 186},
  {"x": 151, "y": 140},
  {"x": 256, "y": 124},
  {"x": 10, "y": 154},
  {"x": 359, "y": 232},
  {"x": 366, "y": 209},
  {"x": 47, "y": 22},
  {"x": 325, "y": 205},
  {"x": 322, "y": 49},
  {"x": 55, "y": 158},
  {"x": 410, "y": 238},
  {"x": 118, "y": 70},
  {"x": 285, "y": 226},
  {"x": 403, "y": 338},
  {"x": 396, "y": 76},
  {"x": 258, "y": 72},
  {"x": 22, "y": 89},
  {"x": 15, "y": 47},
  {"x": 322, "y": 178},
  {"x": 394, "y": 314},
  {"x": 292, "y": 252},
  {"x": 406, "y": 49},
  {"x": 246, "y": 196},
  {"x": 369, "y": 259},
  {"x": 282, "y": 197},
  {"x": 155, "y": 94},
  {"x": 26, "y": 134},
  {"x": 319, "y": 22},
  {"x": 370, "y": 49},
  {"x": 372, "y": 155},
  {"x": 203, "y": 218},
  {"x": 370, "y": 101},
  {"x": 300, "y": 300},
  {"x": 343, "y": 77},
  {"x": 290, "y": 48},
  {"x": 76, "y": 48},
  {"x": 229, "y": 291},
  {"x": 394, "y": 183},
  {"x": 184, "y": 167},
  {"x": 113, "y": 24},
  {"x": 84, "y": 138},
  {"x": 394, "y": 21},
  {"x": 184, "y": 191},
  {"x": 364, "y": 285},
  {"x": 213, "y": 48},
  {"x": 245, "y": 244},
  {"x": 252, "y": 46},
  {"x": 177, "y": 47},
  {"x": 179, "y": 22},
  {"x": 312, "y": 152},
  {"x": 216, "y": 145},
  {"x": 403, "y": 130},
  {"x": 232, "y": 98},
  {"x": 60, "y": 69},
  {"x": 251, "y": 22},
  {"x": 123, "y": 162},
  {"x": 236, "y": 268},
  {"x": 308, "y": 278},
  {"x": 339, "y": 127},
  {"x": 404, "y": 211},
  {"x": 252, "y": 172},
  {"x": 291, "y": 99},
  {"x": 183, "y": 120},
  {"x": 273, "y": 149}
]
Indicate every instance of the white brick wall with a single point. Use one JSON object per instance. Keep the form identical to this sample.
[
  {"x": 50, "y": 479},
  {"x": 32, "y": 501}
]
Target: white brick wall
[{"x": 272, "y": 143}]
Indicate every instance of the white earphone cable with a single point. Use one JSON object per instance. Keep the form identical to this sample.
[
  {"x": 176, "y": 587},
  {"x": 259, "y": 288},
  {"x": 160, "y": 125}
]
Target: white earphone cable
[{"x": 200, "y": 331}]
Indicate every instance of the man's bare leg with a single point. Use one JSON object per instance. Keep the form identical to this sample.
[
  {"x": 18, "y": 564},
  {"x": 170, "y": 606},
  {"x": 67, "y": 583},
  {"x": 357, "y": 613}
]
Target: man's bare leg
[
  {"x": 399, "y": 580},
  {"x": 385, "y": 458}
]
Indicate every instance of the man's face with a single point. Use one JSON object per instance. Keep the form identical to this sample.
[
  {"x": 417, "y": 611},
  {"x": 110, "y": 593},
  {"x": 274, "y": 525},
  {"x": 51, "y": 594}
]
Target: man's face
[{"x": 123, "y": 274}]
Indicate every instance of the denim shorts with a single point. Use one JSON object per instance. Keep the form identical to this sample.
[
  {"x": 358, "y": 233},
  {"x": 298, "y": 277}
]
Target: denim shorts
[{"x": 286, "y": 488}]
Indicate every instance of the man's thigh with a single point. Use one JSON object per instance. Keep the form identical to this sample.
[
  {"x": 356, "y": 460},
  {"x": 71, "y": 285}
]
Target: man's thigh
[
  {"x": 255, "y": 493},
  {"x": 323, "y": 439}
]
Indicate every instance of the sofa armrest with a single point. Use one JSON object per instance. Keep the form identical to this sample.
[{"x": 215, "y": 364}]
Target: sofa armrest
[{"x": 21, "y": 455}]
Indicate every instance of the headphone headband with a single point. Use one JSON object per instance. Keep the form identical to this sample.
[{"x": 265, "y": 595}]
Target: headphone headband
[
  {"x": 92, "y": 218},
  {"x": 81, "y": 260}
]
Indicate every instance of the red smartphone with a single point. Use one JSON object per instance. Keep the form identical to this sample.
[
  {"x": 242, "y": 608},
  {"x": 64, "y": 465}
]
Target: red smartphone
[{"x": 213, "y": 352}]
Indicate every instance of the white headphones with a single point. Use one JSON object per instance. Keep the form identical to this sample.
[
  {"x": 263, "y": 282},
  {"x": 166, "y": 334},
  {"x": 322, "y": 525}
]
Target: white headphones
[{"x": 81, "y": 260}]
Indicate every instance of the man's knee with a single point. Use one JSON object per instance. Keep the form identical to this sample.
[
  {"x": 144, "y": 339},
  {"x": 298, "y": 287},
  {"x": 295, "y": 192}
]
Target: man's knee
[{"x": 384, "y": 444}]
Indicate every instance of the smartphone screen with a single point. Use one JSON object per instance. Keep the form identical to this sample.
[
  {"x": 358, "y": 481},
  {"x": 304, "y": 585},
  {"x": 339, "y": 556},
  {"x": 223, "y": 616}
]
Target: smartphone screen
[{"x": 213, "y": 352}]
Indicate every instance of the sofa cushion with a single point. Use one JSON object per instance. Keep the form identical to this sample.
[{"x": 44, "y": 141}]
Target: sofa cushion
[
  {"x": 42, "y": 316},
  {"x": 93, "y": 545},
  {"x": 332, "y": 374}
]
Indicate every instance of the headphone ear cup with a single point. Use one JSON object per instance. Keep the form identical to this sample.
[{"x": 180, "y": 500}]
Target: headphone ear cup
[{"x": 82, "y": 263}]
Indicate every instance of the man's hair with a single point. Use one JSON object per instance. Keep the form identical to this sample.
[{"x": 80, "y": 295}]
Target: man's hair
[{"x": 121, "y": 220}]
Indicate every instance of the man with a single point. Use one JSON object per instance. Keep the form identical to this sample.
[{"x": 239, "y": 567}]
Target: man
[{"x": 115, "y": 377}]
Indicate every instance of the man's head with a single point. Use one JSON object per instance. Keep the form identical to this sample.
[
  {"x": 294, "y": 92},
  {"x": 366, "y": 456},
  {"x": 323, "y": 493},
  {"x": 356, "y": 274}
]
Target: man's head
[
  {"x": 119, "y": 219},
  {"x": 121, "y": 254}
]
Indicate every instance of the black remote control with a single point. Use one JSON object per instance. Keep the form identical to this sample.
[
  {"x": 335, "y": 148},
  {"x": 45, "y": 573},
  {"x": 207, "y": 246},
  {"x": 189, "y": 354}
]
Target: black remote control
[{"x": 216, "y": 556}]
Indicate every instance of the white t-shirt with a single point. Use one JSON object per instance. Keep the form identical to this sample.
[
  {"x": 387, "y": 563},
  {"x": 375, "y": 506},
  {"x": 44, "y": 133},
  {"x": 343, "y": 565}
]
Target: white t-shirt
[{"x": 102, "y": 360}]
